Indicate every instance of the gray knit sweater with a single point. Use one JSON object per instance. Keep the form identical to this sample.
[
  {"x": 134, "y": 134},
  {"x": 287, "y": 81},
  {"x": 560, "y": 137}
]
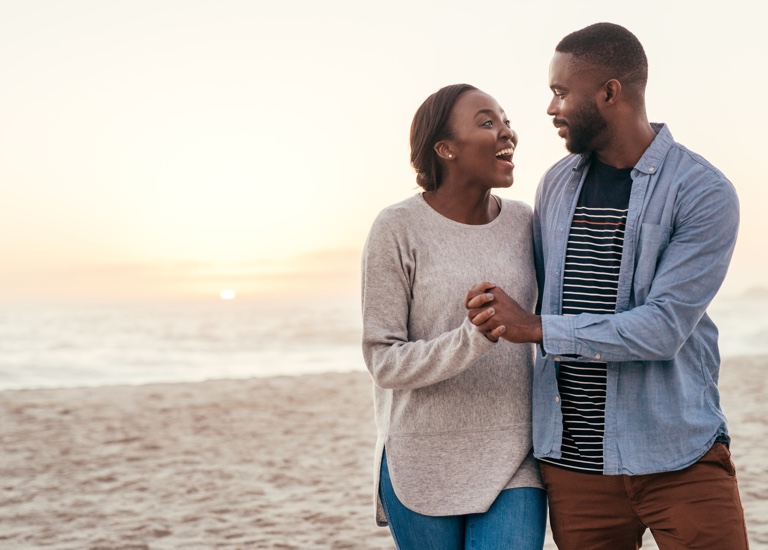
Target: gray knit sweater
[{"x": 452, "y": 408}]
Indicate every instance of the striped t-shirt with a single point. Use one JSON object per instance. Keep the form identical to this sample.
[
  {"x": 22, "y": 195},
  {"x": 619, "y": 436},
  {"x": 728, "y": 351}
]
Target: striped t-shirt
[{"x": 590, "y": 282}]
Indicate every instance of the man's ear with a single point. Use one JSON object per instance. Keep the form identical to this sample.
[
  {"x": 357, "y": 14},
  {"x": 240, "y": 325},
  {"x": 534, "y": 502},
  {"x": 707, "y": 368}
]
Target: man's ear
[
  {"x": 611, "y": 91},
  {"x": 445, "y": 150}
]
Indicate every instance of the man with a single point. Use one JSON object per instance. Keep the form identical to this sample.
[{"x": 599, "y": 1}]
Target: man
[{"x": 633, "y": 236}]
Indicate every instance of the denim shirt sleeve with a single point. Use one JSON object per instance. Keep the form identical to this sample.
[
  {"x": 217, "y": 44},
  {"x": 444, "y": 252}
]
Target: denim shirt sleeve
[{"x": 690, "y": 266}]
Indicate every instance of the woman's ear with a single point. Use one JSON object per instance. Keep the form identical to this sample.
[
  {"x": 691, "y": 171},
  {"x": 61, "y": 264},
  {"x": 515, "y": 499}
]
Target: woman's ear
[{"x": 444, "y": 150}]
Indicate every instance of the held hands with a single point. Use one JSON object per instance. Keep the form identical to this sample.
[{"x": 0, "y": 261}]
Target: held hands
[{"x": 504, "y": 318}]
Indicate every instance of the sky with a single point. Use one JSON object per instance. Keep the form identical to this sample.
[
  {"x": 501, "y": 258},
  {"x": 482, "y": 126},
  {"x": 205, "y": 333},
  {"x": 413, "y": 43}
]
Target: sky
[{"x": 171, "y": 149}]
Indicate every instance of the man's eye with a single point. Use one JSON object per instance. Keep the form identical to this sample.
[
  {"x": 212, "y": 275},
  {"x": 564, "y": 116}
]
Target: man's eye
[
  {"x": 509, "y": 124},
  {"x": 488, "y": 123}
]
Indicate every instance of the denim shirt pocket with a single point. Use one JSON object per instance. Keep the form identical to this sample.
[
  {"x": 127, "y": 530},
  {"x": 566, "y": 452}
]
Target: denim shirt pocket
[{"x": 653, "y": 240}]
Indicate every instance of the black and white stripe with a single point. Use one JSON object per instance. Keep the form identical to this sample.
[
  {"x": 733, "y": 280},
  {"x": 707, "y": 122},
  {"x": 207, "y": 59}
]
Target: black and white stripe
[{"x": 590, "y": 282}]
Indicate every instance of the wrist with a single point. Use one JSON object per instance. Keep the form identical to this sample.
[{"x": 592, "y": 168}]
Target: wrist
[{"x": 536, "y": 332}]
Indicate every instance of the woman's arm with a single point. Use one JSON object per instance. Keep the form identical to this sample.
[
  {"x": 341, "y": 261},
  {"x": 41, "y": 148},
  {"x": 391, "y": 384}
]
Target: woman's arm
[{"x": 394, "y": 361}]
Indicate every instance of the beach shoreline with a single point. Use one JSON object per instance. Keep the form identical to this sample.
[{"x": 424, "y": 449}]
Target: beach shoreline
[{"x": 281, "y": 462}]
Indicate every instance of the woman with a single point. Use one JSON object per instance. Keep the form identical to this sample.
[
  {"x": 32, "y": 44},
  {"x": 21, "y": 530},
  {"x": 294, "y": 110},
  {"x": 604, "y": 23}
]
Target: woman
[{"x": 453, "y": 456}]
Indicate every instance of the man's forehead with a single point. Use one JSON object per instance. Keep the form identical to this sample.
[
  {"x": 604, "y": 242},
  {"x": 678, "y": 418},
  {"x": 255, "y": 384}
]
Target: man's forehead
[{"x": 567, "y": 68}]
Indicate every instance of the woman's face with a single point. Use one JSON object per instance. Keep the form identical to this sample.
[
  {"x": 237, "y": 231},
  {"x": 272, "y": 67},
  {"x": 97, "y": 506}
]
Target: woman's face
[{"x": 483, "y": 142}]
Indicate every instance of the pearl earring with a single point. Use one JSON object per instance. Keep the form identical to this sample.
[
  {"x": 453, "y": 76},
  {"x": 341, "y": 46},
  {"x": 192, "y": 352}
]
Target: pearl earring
[{"x": 450, "y": 156}]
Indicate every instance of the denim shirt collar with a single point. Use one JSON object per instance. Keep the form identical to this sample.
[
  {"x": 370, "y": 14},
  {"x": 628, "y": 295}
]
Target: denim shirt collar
[{"x": 651, "y": 160}]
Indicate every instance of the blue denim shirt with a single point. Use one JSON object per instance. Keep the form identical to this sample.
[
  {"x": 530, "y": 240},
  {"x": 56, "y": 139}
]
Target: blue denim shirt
[{"x": 662, "y": 408}]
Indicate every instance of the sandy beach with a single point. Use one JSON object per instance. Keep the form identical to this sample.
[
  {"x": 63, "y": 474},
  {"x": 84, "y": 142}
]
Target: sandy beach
[{"x": 281, "y": 463}]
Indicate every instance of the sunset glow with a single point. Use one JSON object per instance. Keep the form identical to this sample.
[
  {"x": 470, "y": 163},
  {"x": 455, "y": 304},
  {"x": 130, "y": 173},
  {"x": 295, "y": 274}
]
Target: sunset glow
[{"x": 158, "y": 150}]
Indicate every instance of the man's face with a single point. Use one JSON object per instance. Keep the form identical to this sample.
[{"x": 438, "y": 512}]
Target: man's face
[{"x": 574, "y": 105}]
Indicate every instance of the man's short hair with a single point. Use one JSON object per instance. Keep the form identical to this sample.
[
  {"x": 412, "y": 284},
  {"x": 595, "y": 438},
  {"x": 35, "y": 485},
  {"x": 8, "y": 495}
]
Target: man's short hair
[{"x": 612, "y": 51}]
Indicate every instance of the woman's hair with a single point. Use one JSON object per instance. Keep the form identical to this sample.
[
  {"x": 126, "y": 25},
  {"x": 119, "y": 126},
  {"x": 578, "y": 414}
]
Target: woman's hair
[{"x": 431, "y": 124}]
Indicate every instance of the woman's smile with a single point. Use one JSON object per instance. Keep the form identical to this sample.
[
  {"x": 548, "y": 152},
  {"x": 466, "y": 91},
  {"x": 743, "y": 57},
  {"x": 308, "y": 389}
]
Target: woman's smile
[{"x": 505, "y": 155}]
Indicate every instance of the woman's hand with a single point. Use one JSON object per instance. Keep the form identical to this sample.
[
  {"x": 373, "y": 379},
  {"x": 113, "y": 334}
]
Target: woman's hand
[
  {"x": 503, "y": 317},
  {"x": 478, "y": 296}
]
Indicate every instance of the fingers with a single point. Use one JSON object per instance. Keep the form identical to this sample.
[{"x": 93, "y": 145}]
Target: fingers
[
  {"x": 481, "y": 317},
  {"x": 483, "y": 287},
  {"x": 495, "y": 334},
  {"x": 478, "y": 290},
  {"x": 492, "y": 334},
  {"x": 474, "y": 301},
  {"x": 498, "y": 331}
]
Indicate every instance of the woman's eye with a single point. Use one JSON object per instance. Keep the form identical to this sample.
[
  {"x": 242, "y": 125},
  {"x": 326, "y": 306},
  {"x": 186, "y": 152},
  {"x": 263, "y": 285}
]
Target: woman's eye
[
  {"x": 509, "y": 124},
  {"x": 488, "y": 123}
]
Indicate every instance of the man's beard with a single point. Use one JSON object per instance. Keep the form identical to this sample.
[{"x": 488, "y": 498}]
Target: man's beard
[{"x": 583, "y": 128}]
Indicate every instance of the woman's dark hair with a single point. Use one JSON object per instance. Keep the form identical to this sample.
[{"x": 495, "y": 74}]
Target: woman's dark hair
[{"x": 431, "y": 124}]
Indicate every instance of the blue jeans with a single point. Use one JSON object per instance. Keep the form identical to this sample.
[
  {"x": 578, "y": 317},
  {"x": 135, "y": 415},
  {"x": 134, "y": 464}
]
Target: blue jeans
[{"x": 516, "y": 520}]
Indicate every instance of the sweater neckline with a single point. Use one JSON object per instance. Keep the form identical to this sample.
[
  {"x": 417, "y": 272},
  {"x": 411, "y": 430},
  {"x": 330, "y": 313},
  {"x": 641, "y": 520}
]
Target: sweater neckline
[{"x": 438, "y": 215}]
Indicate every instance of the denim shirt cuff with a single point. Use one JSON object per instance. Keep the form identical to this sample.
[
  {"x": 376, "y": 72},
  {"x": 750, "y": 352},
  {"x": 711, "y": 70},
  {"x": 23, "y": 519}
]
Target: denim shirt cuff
[{"x": 558, "y": 335}]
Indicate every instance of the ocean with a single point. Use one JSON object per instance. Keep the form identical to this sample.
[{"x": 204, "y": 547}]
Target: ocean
[
  {"x": 138, "y": 343},
  {"x": 47, "y": 346}
]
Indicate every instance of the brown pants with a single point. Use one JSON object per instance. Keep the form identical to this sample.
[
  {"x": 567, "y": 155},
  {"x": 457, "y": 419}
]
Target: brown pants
[{"x": 697, "y": 507}]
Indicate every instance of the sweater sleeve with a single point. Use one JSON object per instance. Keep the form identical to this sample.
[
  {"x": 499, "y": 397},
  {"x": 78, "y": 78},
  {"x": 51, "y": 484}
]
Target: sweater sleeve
[{"x": 394, "y": 361}]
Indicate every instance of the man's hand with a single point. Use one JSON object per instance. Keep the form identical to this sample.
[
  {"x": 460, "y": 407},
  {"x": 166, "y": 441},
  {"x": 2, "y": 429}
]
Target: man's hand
[
  {"x": 481, "y": 295},
  {"x": 504, "y": 318}
]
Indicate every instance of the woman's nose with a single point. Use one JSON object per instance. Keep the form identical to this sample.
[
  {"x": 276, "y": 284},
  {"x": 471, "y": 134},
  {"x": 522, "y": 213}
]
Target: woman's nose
[{"x": 508, "y": 134}]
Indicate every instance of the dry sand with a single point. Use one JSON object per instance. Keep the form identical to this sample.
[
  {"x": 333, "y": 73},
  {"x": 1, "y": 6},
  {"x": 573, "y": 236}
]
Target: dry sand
[{"x": 261, "y": 463}]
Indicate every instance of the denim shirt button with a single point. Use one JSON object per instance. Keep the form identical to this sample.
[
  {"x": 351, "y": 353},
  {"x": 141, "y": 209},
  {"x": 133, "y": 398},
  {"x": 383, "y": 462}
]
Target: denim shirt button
[
  {"x": 557, "y": 399},
  {"x": 597, "y": 356}
]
